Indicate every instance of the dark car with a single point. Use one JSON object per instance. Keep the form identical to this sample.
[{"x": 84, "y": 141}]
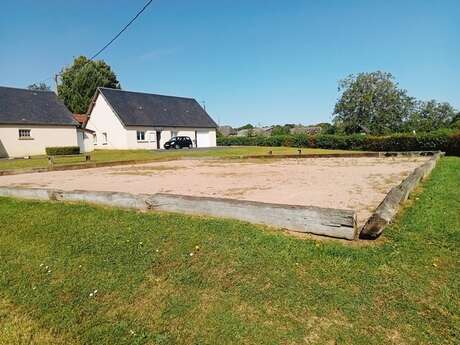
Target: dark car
[{"x": 178, "y": 143}]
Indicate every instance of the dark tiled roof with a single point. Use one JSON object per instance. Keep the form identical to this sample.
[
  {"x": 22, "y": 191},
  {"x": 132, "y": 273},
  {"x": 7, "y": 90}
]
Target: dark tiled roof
[
  {"x": 145, "y": 109},
  {"x": 21, "y": 106}
]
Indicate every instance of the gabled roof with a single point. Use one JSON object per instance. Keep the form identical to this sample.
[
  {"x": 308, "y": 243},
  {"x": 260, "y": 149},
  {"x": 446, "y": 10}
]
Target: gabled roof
[
  {"x": 146, "y": 109},
  {"x": 32, "y": 107}
]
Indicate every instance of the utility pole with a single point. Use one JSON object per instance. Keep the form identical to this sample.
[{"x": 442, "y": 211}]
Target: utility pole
[{"x": 56, "y": 76}]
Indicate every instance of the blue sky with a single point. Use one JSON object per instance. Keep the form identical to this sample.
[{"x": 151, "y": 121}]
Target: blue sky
[{"x": 254, "y": 61}]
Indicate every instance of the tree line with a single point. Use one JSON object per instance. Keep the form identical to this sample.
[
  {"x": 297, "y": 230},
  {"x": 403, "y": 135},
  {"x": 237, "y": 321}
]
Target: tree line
[{"x": 371, "y": 103}]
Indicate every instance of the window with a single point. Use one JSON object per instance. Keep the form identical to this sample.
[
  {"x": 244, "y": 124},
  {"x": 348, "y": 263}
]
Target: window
[
  {"x": 140, "y": 136},
  {"x": 173, "y": 134},
  {"x": 104, "y": 138},
  {"x": 24, "y": 134},
  {"x": 94, "y": 139}
]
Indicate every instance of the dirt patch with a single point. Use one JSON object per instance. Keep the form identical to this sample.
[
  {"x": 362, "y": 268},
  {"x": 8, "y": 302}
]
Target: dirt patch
[
  {"x": 345, "y": 183},
  {"x": 142, "y": 170}
]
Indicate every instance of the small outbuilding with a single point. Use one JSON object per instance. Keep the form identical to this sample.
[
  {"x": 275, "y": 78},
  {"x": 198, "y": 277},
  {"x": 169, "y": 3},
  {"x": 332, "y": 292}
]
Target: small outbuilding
[
  {"x": 32, "y": 120},
  {"x": 135, "y": 120}
]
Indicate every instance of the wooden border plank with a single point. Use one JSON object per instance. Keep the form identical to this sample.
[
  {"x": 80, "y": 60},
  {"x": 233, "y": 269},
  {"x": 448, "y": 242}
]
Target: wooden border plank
[{"x": 389, "y": 207}]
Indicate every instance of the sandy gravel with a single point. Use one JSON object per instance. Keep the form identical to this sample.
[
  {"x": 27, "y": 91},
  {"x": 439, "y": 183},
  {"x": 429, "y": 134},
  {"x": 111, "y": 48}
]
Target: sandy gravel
[{"x": 351, "y": 183}]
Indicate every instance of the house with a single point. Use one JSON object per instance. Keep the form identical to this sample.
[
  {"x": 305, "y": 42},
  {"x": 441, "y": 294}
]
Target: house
[
  {"x": 255, "y": 131},
  {"x": 32, "y": 120},
  {"x": 134, "y": 120},
  {"x": 309, "y": 130},
  {"x": 227, "y": 130},
  {"x": 84, "y": 135}
]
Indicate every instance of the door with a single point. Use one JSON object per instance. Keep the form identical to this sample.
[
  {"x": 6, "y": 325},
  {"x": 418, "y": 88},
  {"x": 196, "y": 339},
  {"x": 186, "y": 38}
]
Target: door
[
  {"x": 151, "y": 138},
  {"x": 203, "y": 139},
  {"x": 158, "y": 139}
]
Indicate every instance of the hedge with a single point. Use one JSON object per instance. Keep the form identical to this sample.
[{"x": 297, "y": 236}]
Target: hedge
[
  {"x": 446, "y": 141},
  {"x": 62, "y": 150}
]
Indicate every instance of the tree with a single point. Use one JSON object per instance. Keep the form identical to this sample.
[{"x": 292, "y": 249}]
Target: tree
[
  {"x": 247, "y": 126},
  {"x": 327, "y": 128},
  {"x": 430, "y": 116},
  {"x": 39, "y": 87},
  {"x": 372, "y": 102},
  {"x": 281, "y": 130},
  {"x": 80, "y": 81},
  {"x": 456, "y": 121}
]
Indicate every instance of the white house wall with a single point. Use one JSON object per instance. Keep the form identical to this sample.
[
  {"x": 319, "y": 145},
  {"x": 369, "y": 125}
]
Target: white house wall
[
  {"x": 41, "y": 137},
  {"x": 85, "y": 141},
  {"x": 103, "y": 120},
  {"x": 166, "y": 134}
]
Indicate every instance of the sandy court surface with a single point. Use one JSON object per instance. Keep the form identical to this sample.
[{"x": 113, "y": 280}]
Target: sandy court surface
[{"x": 348, "y": 183}]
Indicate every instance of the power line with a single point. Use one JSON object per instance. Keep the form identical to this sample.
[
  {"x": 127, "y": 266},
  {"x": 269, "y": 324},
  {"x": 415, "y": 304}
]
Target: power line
[
  {"x": 113, "y": 39},
  {"x": 122, "y": 30}
]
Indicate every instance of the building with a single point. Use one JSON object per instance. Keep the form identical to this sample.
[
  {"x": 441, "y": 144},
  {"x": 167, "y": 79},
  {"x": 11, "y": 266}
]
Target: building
[
  {"x": 227, "y": 130},
  {"x": 32, "y": 120},
  {"x": 134, "y": 120},
  {"x": 84, "y": 135}
]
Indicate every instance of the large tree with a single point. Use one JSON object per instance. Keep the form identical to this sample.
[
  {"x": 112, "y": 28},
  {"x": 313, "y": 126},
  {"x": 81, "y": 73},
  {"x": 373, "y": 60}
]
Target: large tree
[
  {"x": 430, "y": 116},
  {"x": 39, "y": 87},
  {"x": 372, "y": 102},
  {"x": 79, "y": 82}
]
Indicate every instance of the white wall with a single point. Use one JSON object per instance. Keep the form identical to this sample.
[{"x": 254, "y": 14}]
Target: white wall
[
  {"x": 103, "y": 120},
  {"x": 85, "y": 141},
  {"x": 40, "y": 138},
  {"x": 213, "y": 137},
  {"x": 166, "y": 133}
]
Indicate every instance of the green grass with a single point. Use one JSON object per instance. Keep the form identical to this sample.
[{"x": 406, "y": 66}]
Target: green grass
[
  {"x": 244, "y": 284},
  {"x": 123, "y": 155}
]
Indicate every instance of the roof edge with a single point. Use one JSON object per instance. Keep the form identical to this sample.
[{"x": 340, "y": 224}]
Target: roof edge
[
  {"x": 38, "y": 124},
  {"x": 25, "y": 89},
  {"x": 145, "y": 93},
  {"x": 93, "y": 103}
]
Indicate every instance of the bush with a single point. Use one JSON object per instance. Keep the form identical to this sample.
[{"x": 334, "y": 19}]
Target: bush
[
  {"x": 63, "y": 150},
  {"x": 447, "y": 141}
]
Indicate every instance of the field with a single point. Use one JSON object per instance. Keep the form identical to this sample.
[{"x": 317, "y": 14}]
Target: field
[
  {"x": 153, "y": 155},
  {"x": 77, "y": 274},
  {"x": 359, "y": 184}
]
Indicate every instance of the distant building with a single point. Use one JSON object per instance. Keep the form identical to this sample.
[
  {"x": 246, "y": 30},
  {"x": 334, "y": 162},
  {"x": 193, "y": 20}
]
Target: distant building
[
  {"x": 309, "y": 130},
  {"x": 227, "y": 130},
  {"x": 252, "y": 132}
]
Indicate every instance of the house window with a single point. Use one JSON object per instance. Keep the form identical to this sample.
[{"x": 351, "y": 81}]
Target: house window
[
  {"x": 140, "y": 136},
  {"x": 94, "y": 139},
  {"x": 24, "y": 134},
  {"x": 104, "y": 138},
  {"x": 173, "y": 134}
]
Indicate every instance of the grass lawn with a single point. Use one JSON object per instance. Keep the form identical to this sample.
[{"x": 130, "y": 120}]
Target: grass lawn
[
  {"x": 172, "y": 279},
  {"x": 123, "y": 155}
]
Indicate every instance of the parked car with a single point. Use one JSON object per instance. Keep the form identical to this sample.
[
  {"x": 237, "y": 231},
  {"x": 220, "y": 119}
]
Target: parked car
[{"x": 178, "y": 143}]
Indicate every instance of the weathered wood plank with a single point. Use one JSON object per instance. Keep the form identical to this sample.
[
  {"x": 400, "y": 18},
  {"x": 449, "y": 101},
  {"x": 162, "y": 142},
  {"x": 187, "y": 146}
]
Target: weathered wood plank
[
  {"x": 389, "y": 207},
  {"x": 315, "y": 220},
  {"x": 306, "y": 219}
]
